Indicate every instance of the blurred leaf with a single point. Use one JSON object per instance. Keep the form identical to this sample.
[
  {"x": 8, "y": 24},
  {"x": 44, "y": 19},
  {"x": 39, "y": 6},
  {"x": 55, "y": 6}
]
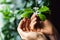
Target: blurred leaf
[
  {"x": 43, "y": 9},
  {"x": 27, "y": 13},
  {"x": 6, "y": 10},
  {"x": 42, "y": 17},
  {"x": 20, "y": 12},
  {"x": 7, "y": 13},
  {"x": 28, "y": 10}
]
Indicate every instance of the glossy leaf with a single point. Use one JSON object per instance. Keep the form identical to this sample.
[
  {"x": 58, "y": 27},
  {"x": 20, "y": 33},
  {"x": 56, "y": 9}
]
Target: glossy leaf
[
  {"x": 28, "y": 10},
  {"x": 43, "y": 9},
  {"x": 42, "y": 17},
  {"x": 26, "y": 14}
]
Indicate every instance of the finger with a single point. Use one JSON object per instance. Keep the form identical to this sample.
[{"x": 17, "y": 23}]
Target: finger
[
  {"x": 19, "y": 29},
  {"x": 32, "y": 21},
  {"x": 47, "y": 32},
  {"x": 22, "y": 33},
  {"x": 32, "y": 25},
  {"x": 22, "y": 24},
  {"x": 27, "y": 25},
  {"x": 44, "y": 31},
  {"x": 24, "y": 28},
  {"x": 33, "y": 16}
]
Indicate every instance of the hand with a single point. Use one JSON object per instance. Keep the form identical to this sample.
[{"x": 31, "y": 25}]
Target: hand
[
  {"x": 26, "y": 33},
  {"x": 28, "y": 26},
  {"x": 46, "y": 28}
]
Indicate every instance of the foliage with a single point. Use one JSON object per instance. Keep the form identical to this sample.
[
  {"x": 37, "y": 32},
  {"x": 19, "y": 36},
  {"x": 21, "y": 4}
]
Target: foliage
[
  {"x": 42, "y": 17},
  {"x": 28, "y": 12},
  {"x": 11, "y": 19},
  {"x": 5, "y": 1},
  {"x": 9, "y": 29},
  {"x": 43, "y": 9}
]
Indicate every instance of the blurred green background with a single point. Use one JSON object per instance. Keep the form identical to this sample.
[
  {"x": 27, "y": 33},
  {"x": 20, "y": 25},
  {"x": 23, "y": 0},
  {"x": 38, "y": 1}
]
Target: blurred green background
[{"x": 10, "y": 12}]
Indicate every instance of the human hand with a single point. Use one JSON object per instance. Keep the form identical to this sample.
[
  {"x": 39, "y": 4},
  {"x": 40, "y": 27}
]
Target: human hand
[
  {"x": 26, "y": 33},
  {"x": 46, "y": 28},
  {"x": 27, "y": 26}
]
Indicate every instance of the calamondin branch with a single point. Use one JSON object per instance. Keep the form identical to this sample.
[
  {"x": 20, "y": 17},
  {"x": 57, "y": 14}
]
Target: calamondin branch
[{"x": 27, "y": 12}]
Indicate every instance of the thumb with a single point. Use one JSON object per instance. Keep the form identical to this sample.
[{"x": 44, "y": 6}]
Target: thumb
[
  {"x": 44, "y": 31},
  {"x": 47, "y": 23}
]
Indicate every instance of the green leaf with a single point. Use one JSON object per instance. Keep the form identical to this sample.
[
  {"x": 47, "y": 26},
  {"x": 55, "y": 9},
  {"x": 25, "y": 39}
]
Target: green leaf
[
  {"x": 43, "y": 9},
  {"x": 26, "y": 14},
  {"x": 42, "y": 17},
  {"x": 28, "y": 10}
]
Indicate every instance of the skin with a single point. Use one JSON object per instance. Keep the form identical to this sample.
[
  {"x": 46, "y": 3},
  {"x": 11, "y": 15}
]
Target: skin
[{"x": 29, "y": 31}]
